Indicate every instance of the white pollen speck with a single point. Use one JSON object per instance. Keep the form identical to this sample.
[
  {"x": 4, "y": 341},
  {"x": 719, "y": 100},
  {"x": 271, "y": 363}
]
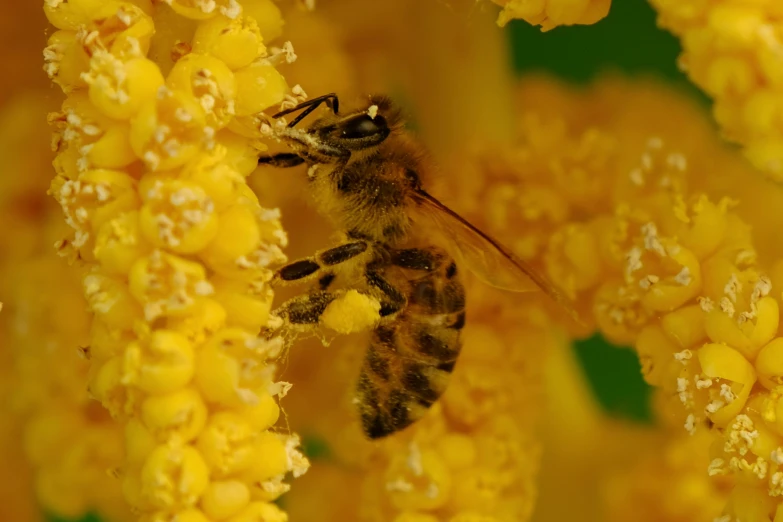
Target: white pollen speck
[
  {"x": 683, "y": 356},
  {"x": 690, "y": 424},
  {"x": 684, "y": 277},
  {"x": 372, "y": 112}
]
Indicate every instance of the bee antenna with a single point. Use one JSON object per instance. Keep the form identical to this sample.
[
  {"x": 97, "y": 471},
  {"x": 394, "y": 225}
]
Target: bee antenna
[{"x": 309, "y": 106}]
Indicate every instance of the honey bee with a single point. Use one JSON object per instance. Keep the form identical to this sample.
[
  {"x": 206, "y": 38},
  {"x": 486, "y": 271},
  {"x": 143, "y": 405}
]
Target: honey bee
[{"x": 364, "y": 171}]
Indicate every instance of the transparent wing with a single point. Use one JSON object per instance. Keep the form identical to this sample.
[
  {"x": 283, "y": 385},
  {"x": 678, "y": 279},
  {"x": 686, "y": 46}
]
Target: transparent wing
[{"x": 482, "y": 255}]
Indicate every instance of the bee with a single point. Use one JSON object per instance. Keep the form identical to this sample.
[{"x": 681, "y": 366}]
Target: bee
[{"x": 365, "y": 172}]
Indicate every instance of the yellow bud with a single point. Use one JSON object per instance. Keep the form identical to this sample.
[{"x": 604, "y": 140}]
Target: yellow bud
[
  {"x": 667, "y": 295},
  {"x": 263, "y": 414},
  {"x": 210, "y": 81},
  {"x": 217, "y": 374},
  {"x": 730, "y": 76},
  {"x": 139, "y": 443},
  {"x": 573, "y": 258},
  {"x": 247, "y": 304},
  {"x": 238, "y": 235},
  {"x": 178, "y": 215},
  {"x": 170, "y": 130},
  {"x": 685, "y": 325},
  {"x": 769, "y": 364},
  {"x": 132, "y": 31},
  {"x": 119, "y": 244},
  {"x": 228, "y": 369},
  {"x": 205, "y": 9},
  {"x": 106, "y": 386},
  {"x": 224, "y": 499},
  {"x": 72, "y": 14},
  {"x": 423, "y": 486},
  {"x": 174, "y": 477},
  {"x": 458, "y": 451},
  {"x": 96, "y": 197},
  {"x": 764, "y": 153},
  {"x": 723, "y": 362},
  {"x": 241, "y": 152},
  {"x": 749, "y": 336},
  {"x": 762, "y": 111},
  {"x": 351, "y": 312},
  {"x": 106, "y": 343},
  {"x": 131, "y": 489},
  {"x": 737, "y": 25},
  {"x": 260, "y": 512},
  {"x": 236, "y": 42},
  {"x": 181, "y": 413},
  {"x": 167, "y": 285},
  {"x": 66, "y": 60},
  {"x": 656, "y": 354},
  {"x": 227, "y": 443},
  {"x": 113, "y": 149},
  {"x": 706, "y": 230},
  {"x": 267, "y": 15},
  {"x": 204, "y": 319},
  {"x": 160, "y": 364},
  {"x": 119, "y": 89},
  {"x": 218, "y": 179},
  {"x": 259, "y": 86},
  {"x": 268, "y": 459},
  {"x": 617, "y": 314},
  {"x": 111, "y": 302}
]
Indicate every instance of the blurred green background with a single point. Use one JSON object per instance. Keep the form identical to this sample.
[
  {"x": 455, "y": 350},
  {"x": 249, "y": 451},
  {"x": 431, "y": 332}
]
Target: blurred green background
[{"x": 627, "y": 41}]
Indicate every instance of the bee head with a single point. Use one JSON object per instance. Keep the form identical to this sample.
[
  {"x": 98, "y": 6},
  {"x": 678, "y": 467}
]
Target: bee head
[
  {"x": 360, "y": 129},
  {"x": 336, "y": 134}
]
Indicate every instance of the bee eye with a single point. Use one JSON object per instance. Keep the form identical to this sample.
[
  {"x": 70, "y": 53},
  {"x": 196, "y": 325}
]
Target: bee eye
[{"x": 363, "y": 127}]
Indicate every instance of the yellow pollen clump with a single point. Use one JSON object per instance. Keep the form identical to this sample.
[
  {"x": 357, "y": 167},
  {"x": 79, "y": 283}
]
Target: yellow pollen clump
[{"x": 352, "y": 312}]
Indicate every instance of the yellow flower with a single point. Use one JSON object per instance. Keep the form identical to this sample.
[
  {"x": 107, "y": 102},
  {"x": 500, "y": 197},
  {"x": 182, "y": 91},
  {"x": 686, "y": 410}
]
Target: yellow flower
[
  {"x": 679, "y": 275},
  {"x": 176, "y": 250},
  {"x": 553, "y": 13},
  {"x": 733, "y": 50}
]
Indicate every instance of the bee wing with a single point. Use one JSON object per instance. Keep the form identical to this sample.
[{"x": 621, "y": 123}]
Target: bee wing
[{"x": 486, "y": 258}]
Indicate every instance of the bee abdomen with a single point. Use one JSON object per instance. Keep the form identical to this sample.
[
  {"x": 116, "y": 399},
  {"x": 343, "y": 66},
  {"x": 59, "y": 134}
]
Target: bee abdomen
[{"x": 406, "y": 370}]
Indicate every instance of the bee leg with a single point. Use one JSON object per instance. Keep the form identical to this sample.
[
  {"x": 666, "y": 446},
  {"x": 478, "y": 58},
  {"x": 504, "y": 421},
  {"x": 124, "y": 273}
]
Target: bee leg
[
  {"x": 306, "y": 309},
  {"x": 282, "y": 160},
  {"x": 313, "y": 267},
  {"x": 303, "y": 313},
  {"x": 393, "y": 300}
]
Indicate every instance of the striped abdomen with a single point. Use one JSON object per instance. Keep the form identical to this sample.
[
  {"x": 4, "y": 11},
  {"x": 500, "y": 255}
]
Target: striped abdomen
[{"x": 410, "y": 359}]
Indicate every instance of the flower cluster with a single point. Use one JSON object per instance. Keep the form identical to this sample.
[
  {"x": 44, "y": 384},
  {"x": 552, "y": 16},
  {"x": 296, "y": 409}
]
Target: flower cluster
[
  {"x": 734, "y": 51},
  {"x": 161, "y": 126},
  {"x": 549, "y": 14},
  {"x": 656, "y": 263}
]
